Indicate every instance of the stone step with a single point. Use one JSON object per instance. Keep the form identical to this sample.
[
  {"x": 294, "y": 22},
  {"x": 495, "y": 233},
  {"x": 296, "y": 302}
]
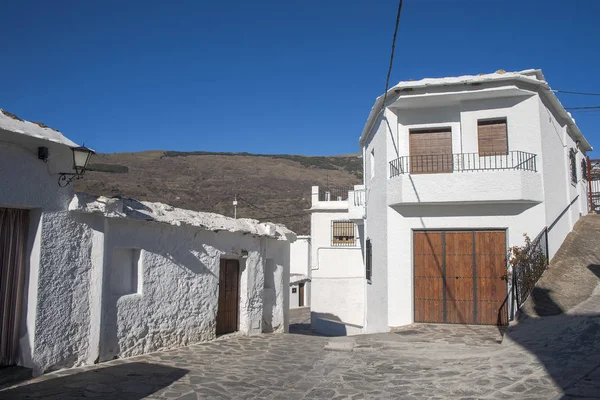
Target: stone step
[{"x": 14, "y": 374}]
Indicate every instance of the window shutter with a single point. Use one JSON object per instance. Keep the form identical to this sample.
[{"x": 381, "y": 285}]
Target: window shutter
[
  {"x": 573, "y": 162},
  {"x": 368, "y": 259},
  {"x": 492, "y": 137},
  {"x": 431, "y": 151}
]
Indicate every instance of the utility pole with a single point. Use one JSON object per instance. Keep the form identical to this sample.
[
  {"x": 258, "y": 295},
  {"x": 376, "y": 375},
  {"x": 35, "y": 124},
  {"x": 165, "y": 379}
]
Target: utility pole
[{"x": 235, "y": 206}]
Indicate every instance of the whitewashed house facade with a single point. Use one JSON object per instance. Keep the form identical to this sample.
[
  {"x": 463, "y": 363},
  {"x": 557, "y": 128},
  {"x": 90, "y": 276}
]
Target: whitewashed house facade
[
  {"x": 87, "y": 279},
  {"x": 300, "y": 272},
  {"x": 456, "y": 170}
]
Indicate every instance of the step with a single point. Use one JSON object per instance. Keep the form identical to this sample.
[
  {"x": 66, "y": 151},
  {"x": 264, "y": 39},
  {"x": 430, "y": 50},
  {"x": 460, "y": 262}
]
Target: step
[{"x": 14, "y": 374}]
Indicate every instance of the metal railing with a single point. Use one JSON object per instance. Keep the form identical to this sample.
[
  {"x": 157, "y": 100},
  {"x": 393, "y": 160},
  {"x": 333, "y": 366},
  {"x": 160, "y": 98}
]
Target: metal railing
[
  {"x": 334, "y": 193},
  {"x": 530, "y": 266},
  {"x": 463, "y": 162}
]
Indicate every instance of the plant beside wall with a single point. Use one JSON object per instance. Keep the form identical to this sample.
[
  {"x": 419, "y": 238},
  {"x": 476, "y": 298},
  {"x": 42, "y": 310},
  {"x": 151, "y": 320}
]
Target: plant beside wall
[{"x": 527, "y": 263}]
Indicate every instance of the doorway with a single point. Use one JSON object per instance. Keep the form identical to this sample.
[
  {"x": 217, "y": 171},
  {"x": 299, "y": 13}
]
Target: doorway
[
  {"x": 229, "y": 297},
  {"x": 13, "y": 251},
  {"x": 301, "y": 295}
]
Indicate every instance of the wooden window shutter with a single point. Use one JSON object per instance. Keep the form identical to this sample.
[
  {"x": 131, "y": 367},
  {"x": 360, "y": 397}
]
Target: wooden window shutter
[
  {"x": 342, "y": 233},
  {"x": 368, "y": 260},
  {"x": 492, "y": 136},
  {"x": 431, "y": 151}
]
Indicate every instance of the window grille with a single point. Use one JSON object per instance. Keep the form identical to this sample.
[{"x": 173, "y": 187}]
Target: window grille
[
  {"x": 573, "y": 162},
  {"x": 343, "y": 233}
]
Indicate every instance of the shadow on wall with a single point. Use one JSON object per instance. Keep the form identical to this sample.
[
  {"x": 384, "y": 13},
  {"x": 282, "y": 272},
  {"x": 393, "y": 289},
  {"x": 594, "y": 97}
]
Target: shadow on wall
[
  {"x": 185, "y": 255},
  {"x": 568, "y": 345},
  {"x": 459, "y": 210},
  {"x": 325, "y": 324},
  {"x": 131, "y": 381},
  {"x": 269, "y": 295}
]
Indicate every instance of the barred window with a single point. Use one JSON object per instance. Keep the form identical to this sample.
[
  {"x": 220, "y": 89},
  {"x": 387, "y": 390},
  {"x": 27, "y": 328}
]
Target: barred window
[
  {"x": 584, "y": 169},
  {"x": 573, "y": 162},
  {"x": 343, "y": 233}
]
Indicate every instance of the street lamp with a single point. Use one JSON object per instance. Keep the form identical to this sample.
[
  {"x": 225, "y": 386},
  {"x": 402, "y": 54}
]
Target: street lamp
[{"x": 81, "y": 157}]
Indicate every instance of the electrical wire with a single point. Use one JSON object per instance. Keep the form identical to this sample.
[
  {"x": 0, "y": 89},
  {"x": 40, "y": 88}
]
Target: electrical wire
[
  {"x": 582, "y": 108},
  {"x": 387, "y": 80},
  {"x": 252, "y": 205},
  {"x": 581, "y": 93}
]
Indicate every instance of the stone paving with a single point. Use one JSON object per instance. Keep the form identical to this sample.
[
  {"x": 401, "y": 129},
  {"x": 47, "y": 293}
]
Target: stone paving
[{"x": 415, "y": 362}]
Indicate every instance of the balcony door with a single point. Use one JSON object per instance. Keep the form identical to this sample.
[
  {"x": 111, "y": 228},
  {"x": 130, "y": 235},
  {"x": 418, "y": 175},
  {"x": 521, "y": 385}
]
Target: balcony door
[{"x": 430, "y": 151}]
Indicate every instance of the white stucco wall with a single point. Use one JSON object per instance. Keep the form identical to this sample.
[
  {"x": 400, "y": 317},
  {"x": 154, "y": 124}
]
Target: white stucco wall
[
  {"x": 300, "y": 256},
  {"x": 28, "y": 183},
  {"x": 337, "y": 288},
  {"x": 300, "y": 264},
  {"x": 62, "y": 326},
  {"x": 87, "y": 312},
  {"x": 387, "y": 143},
  {"x": 25, "y": 181},
  {"x": 517, "y": 201},
  {"x": 560, "y": 192}
]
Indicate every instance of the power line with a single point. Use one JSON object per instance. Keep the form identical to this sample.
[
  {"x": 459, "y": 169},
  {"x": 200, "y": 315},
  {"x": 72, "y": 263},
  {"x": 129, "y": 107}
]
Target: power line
[
  {"x": 387, "y": 80},
  {"x": 252, "y": 205},
  {"x": 581, "y": 93},
  {"x": 582, "y": 108}
]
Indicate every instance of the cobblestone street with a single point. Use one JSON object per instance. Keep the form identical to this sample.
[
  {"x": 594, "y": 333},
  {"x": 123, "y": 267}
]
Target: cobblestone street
[{"x": 415, "y": 362}]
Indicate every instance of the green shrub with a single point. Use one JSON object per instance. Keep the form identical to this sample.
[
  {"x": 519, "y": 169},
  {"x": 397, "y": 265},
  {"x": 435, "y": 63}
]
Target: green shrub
[{"x": 111, "y": 168}]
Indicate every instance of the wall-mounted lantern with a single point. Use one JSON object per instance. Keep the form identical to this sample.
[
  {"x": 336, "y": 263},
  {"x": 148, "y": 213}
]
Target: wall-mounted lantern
[{"x": 81, "y": 157}]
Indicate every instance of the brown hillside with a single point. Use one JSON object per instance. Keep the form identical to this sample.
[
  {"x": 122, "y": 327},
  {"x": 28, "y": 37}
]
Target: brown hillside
[{"x": 278, "y": 184}]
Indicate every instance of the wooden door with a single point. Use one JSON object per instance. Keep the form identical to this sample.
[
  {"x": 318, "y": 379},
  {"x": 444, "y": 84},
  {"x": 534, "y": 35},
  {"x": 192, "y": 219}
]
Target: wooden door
[
  {"x": 431, "y": 151},
  {"x": 429, "y": 276},
  {"x": 459, "y": 277},
  {"x": 228, "y": 311},
  {"x": 301, "y": 295},
  {"x": 490, "y": 282},
  {"x": 13, "y": 250}
]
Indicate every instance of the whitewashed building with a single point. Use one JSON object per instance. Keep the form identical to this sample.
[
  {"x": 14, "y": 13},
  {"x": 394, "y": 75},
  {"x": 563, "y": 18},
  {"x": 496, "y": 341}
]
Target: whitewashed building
[
  {"x": 300, "y": 272},
  {"x": 87, "y": 279},
  {"x": 456, "y": 170}
]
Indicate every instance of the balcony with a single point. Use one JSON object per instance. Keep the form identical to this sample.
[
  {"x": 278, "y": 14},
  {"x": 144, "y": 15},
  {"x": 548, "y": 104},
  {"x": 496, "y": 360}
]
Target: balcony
[
  {"x": 463, "y": 162},
  {"x": 465, "y": 178},
  {"x": 356, "y": 204}
]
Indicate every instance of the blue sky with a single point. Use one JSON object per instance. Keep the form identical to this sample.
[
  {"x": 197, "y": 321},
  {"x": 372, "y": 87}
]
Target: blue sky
[{"x": 269, "y": 76}]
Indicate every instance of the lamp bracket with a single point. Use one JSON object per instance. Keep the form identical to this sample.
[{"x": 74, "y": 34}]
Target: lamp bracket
[{"x": 65, "y": 178}]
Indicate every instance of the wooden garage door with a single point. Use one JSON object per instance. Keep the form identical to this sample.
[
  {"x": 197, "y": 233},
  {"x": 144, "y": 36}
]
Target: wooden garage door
[
  {"x": 460, "y": 277},
  {"x": 229, "y": 300}
]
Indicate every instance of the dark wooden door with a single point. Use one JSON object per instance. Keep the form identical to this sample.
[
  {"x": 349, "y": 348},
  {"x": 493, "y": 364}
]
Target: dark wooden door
[
  {"x": 227, "y": 313},
  {"x": 301, "y": 295},
  {"x": 429, "y": 276},
  {"x": 490, "y": 266},
  {"x": 459, "y": 277},
  {"x": 13, "y": 251}
]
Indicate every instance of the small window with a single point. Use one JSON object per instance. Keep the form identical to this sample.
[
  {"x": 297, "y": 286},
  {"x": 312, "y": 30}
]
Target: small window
[
  {"x": 492, "y": 137},
  {"x": 573, "y": 162},
  {"x": 343, "y": 233},
  {"x": 368, "y": 260},
  {"x": 372, "y": 163}
]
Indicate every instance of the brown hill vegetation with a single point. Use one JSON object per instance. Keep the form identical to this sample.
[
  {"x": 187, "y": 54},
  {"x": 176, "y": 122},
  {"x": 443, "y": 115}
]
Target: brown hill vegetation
[{"x": 269, "y": 187}]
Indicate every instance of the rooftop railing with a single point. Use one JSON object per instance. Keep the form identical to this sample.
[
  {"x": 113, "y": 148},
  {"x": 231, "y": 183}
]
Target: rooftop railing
[{"x": 334, "y": 193}]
